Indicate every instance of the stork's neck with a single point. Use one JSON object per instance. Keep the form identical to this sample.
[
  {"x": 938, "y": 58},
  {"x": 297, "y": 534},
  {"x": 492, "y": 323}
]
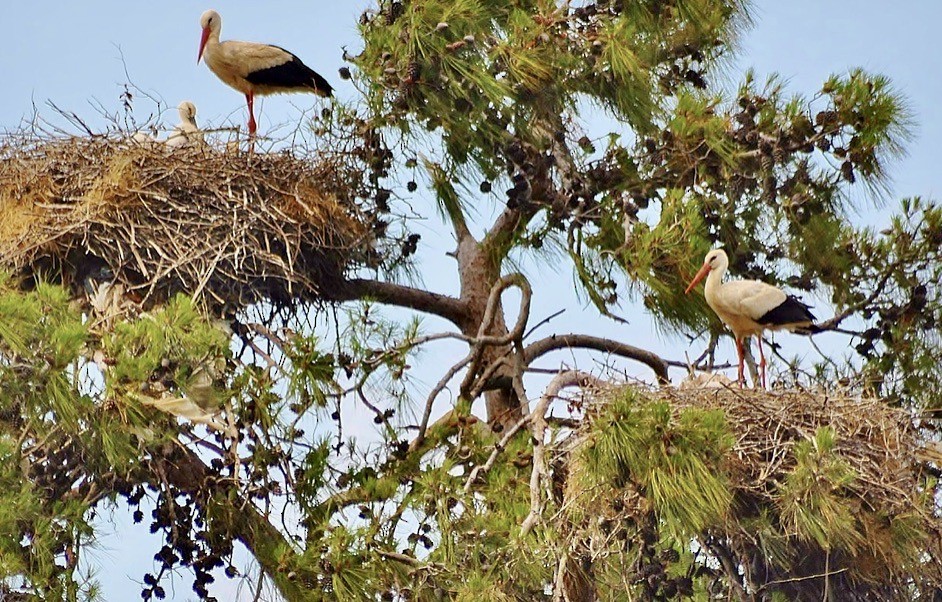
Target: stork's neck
[{"x": 713, "y": 281}]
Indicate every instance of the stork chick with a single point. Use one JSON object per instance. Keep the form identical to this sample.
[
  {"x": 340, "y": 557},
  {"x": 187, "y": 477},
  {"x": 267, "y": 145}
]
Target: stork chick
[{"x": 186, "y": 133}]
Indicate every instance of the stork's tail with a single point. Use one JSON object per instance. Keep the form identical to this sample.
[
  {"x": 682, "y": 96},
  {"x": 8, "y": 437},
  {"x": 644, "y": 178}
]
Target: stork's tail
[
  {"x": 320, "y": 85},
  {"x": 810, "y": 329}
]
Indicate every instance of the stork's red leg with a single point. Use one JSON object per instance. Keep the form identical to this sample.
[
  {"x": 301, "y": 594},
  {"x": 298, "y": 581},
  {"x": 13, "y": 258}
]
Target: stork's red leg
[
  {"x": 761, "y": 361},
  {"x": 250, "y": 101},
  {"x": 742, "y": 361}
]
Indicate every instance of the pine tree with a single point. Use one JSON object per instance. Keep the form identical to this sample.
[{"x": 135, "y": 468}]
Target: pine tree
[{"x": 640, "y": 494}]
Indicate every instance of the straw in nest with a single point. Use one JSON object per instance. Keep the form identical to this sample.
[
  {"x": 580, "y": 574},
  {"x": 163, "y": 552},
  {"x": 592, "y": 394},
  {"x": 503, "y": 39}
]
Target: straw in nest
[{"x": 229, "y": 229}]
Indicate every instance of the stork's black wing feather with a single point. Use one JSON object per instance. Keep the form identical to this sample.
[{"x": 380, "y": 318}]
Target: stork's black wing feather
[
  {"x": 291, "y": 74},
  {"x": 791, "y": 311}
]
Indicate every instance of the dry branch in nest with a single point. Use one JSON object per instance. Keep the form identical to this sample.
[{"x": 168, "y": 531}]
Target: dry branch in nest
[
  {"x": 876, "y": 479},
  {"x": 230, "y": 229}
]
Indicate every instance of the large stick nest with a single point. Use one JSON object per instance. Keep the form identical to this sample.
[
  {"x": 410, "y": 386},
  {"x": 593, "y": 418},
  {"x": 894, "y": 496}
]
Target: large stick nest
[
  {"x": 877, "y": 440},
  {"x": 231, "y": 229},
  {"x": 891, "y": 461}
]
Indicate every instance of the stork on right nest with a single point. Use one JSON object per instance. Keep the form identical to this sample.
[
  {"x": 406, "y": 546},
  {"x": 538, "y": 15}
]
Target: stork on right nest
[{"x": 750, "y": 307}]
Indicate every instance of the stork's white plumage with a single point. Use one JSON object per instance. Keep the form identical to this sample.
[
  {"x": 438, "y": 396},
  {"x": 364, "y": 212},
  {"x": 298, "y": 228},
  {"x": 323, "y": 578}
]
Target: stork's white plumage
[
  {"x": 143, "y": 139},
  {"x": 186, "y": 133},
  {"x": 749, "y": 307},
  {"x": 253, "y": 68}
]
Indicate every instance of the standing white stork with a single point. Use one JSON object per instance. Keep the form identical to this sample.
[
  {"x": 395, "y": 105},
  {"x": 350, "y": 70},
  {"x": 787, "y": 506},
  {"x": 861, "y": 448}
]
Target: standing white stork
[
  {"x": 253, "y": 68},
  {"x": 186, "y": 133},
  {"x": 749, "y": 307}
]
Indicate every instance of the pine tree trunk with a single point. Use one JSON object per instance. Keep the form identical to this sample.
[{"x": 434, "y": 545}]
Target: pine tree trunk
[{"x": 479, "y": 273}]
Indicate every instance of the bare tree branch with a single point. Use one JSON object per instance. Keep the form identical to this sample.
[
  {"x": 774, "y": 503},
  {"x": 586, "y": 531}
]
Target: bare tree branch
[
  {"x": 479, "y": 343},
  {"x": 835, "y": 322},
  {"x": 730, "y": 566},
  {"x": 444, "y": 306},
  {"x": 490, "y": 313},
  {"x": 498, "y": 448},
  {"x": 568, "y": 341},
  {"x": 505, "y": 224},
  {"x": 430, "y": 401},
  {"x": 538, "y": 425}
]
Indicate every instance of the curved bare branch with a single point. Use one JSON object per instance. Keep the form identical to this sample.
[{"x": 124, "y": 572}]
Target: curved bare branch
[
  {"x": 514, "y": 335},
  {"x": 584, "y": 341},
  {"x": 538, "y": 425}
]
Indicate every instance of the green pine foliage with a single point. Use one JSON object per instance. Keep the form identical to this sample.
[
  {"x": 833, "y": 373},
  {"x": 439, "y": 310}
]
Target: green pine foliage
[
  {"x": 42, "y": 334},
  {"x": 593, "y": 137},
  {"x": 658, "y": 490},
  {"x": 901, "y": 336},
  {"x": 41, "y": 338},
  {"x": 812, "y": 501},
  {"x": 52, "y": 528},
  {"x": 662, "y": 258},
  {"x": 311, "y": 370},
  {"x": 170, "y": 336},
  {"x": 674, "y": 461},
  {"x": 483, "y": 73},
  {"x": 815, "y": 504}
]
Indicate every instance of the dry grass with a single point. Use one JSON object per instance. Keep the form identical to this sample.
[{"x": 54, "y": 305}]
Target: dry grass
[{"x": 230, "y": 229}]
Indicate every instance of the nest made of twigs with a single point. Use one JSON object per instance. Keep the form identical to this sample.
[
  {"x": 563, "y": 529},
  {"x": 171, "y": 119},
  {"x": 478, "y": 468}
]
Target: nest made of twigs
[
  {"x": 883, "y": 448},
  {"x": 229, "y": 228},
  {"x": 877, "y": 440}
]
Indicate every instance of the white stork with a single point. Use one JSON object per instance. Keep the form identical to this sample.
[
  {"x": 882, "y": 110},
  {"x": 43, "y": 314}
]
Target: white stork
[
  {"x": 749, "y": 307},
  {"x": 186, "y": 133},
  {"x": 253, "y": 68}
]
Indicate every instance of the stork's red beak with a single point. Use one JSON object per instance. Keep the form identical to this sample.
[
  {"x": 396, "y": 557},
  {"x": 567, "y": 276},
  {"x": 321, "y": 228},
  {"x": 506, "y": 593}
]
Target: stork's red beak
[
  {"x": 700, "y": 276},
  {"x": 202, "y": 44}
]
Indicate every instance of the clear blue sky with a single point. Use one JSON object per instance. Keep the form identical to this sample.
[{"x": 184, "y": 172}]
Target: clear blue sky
[{"x": 70, "y": 52}]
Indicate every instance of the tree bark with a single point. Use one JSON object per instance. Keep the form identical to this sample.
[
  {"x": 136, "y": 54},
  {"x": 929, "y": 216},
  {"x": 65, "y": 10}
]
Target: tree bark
[
  {"x": 566, "y": 341},
  {"x": 479, "y": 272},
  {"x": 399, "y": 295}
]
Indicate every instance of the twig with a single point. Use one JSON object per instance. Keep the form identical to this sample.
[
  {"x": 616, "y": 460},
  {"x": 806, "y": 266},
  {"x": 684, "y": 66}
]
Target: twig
[
  {"x": 499, "y": 447},
  {"x": 538, "y": 427},
  {"x": 834, "y": 322},
  {"x": 430, "y": 401},
  {"x": 559, "y": 581},
  {"x": 804, "y": 578},
  {"x": 543, "y": 322},
  {"x": 397, "y": 557}
]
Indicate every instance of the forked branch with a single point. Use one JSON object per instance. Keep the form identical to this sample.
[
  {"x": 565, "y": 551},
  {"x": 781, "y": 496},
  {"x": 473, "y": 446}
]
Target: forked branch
[
  {"x": 538, "y": 425},
  {"x": 478, "y": 343}
]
